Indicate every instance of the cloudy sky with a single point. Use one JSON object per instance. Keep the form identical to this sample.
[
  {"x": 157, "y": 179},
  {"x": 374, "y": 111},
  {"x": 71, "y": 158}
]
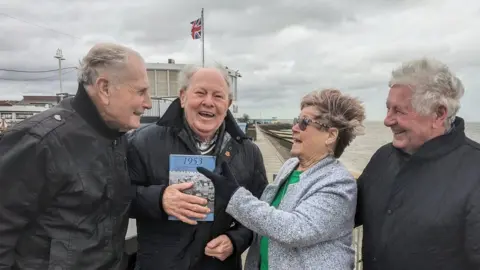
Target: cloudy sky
[{"x": 283, "y": 49}]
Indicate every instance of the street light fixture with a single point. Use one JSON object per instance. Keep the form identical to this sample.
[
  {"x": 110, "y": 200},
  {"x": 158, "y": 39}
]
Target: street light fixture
[
  {"x": 237, "y": 75},
  {"x": 60, "y": 58},
  {"x": 234, "y": 74}
]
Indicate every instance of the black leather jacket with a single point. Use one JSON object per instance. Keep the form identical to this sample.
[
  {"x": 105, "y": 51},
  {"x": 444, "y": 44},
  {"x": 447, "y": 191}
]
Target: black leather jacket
[
  {"x": 64, "y": 190},
  {"x": 165, "y": 244},
  {"x": 422, "y": 211}
]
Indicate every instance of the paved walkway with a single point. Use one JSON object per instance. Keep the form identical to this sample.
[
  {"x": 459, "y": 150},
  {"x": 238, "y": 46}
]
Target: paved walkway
[{"x": 272, "y": 159}]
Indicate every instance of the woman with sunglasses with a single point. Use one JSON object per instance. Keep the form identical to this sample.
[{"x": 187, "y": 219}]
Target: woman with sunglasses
[{"x": 304, "y": 220}]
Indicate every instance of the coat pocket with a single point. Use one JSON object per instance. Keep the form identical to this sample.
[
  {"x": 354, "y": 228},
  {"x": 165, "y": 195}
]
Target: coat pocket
[
  {"x": 80, "y": 254},
  {"x": 60, "y": 255}
]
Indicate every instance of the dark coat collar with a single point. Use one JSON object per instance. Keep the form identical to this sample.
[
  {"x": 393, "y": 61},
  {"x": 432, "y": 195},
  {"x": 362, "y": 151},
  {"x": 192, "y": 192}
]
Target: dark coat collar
[
  {"x": 443, "y": 144},
  {"x": 83, "y": 104},
  {"x": 173, "y": 117}
]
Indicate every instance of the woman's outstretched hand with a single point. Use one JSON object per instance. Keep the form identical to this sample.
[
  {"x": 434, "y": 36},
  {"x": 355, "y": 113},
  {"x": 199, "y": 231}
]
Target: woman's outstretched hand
[{"x": 225, "y": 184}]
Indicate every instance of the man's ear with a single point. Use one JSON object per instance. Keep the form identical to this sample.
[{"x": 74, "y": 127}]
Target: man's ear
[
  {"x": 183, "y": 97},
  {"x": 441, "y": 114},
  {"x": 230, "y": 102},
  {"x": 102, "y": 85}
]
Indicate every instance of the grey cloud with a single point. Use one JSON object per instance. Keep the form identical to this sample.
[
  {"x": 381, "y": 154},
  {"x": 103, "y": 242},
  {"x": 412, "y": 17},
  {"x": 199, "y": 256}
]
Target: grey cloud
[
  {"x": 223, "y": 20},
  {"x": 283, "y": 49},
  {"x": 239, "y": 19}
]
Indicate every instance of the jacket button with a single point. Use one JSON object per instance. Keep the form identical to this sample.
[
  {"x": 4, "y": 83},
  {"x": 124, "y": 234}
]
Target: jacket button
[{"x": 389, "y": 212}]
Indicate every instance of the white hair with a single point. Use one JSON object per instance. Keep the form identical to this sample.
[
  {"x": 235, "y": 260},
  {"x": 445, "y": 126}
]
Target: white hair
[
  {"x": 432, "y": 84},
  {"x": 185, "y": 76},
  {"x": 103, "y": 57}
]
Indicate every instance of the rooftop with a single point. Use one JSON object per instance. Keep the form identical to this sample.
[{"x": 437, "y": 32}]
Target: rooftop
[
  {"x": 6, "y": 102},
  {"x": 31, "y": 99},
  {"x": 164, "y": 66},
  {"x": 23, "y": 108},
  {"x": 28, "y": 99}
]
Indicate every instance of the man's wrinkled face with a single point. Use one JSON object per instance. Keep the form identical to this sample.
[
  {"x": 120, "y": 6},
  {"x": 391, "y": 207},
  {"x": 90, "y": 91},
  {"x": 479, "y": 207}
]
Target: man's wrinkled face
[
  {"x": 205, "y": 102},
  {"x": 129, "y": 96},
  {"x": 410, "y": 129}
]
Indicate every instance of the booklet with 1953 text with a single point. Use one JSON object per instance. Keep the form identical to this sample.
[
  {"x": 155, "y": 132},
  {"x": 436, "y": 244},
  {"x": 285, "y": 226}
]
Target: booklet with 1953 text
[{"x": 183, "y": 168}]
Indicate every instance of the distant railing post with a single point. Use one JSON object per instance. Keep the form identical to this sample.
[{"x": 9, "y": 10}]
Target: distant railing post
[{"x": 357, "y": 244}]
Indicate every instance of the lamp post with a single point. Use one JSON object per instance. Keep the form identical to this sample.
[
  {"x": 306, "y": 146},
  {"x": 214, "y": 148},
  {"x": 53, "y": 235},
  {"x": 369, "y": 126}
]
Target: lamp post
[
  {"x": 60, "y": 58},
  {"x": 234, "y": 74}
]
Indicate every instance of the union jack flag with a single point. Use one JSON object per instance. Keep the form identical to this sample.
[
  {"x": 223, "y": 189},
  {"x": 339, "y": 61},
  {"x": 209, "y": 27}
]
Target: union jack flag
[{"x": 197, "y": 28}]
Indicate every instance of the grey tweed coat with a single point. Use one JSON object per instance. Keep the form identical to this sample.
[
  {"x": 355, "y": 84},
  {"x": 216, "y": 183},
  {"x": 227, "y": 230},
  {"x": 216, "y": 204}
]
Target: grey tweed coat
[{"x": 312, "y": 227}]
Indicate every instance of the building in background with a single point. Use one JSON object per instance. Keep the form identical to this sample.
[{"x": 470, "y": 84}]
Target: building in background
[
  {"x": 163, "y": 78},
  {"x": 12, "y": 112},
  {"x": 164, "y": 87},
  {"x": 39, "y": 101},
  {"x": 3, "y": 125}
]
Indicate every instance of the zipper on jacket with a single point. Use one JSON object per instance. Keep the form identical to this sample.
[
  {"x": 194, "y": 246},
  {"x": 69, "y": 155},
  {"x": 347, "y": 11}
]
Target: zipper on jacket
[{"x": 111, "y": 202}]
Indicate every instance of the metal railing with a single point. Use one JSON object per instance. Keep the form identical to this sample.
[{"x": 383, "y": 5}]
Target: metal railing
[{"x": 357, "y": 245}]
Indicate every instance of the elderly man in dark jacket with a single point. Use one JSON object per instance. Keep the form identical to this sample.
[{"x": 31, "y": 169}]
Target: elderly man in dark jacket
[
  {"x": 419, "y": 196},
  {"x": 197, "y": 123},
  {"x": 64, "y": 187}
]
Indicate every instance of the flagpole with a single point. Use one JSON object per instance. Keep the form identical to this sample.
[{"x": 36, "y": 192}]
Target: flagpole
[{"x": 203, "y": 40}]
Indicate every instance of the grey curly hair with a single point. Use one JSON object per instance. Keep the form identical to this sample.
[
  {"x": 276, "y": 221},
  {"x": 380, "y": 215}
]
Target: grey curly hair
[
  {"x": 103, "y": 57},
  {"x": 339, "y": 111},
  {"x": 432, "y": 84}
]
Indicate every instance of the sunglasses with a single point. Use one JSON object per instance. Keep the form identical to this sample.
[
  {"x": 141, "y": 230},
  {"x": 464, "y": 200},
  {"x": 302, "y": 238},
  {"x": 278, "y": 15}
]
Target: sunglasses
[{"x": 304, "y": 122}]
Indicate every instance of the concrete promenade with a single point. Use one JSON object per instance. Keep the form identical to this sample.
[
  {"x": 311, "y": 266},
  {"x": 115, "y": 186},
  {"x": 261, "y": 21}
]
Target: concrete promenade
[{"x": 272, "y": 159}]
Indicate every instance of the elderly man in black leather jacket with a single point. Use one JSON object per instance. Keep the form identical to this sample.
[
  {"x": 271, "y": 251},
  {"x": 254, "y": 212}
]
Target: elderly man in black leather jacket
[
  {"x": 419, "y": 196},
  {"x": 197, "y": 123},
  {"x": 64, "y": 187}
]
